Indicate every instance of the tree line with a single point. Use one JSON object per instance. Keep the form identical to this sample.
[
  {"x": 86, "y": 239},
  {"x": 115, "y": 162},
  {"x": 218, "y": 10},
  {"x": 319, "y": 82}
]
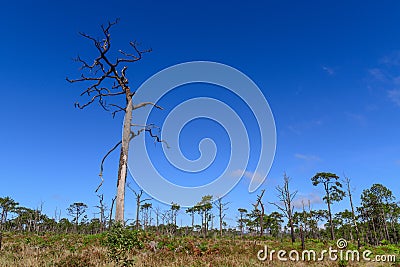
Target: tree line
[{"x": 374, "y": 221}]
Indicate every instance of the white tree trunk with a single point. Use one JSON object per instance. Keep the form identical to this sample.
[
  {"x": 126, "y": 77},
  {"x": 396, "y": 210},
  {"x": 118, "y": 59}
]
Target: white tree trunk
[{"x": 123, "y": 165}]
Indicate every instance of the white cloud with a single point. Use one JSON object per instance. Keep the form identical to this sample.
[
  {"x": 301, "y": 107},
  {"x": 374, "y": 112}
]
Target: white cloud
[
  {"x": 248, "y": 174},
  {"x": 311, "y": 198},
  {"x": 300, "y": 127},
  {"x": 358, "y": 118},
  {"x": 378, "y": 74},
  {"x": 391, "y": 60},
  {"x": 328, "y": 70},
  {"x": 387, "y": 76},
  {"x": 310, "y": 158},
  {"x": 394, "y": 96}
]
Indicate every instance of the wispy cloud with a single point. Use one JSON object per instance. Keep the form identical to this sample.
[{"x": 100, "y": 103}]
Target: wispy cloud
[
  {"x": 305, "y": 199},
  {"x": 394, "y": 96},
  {"x": 387, "y": 75},
  {"x": 309, "y": 158},
  {"x": 328, "y": 70},
  {"x": 357, "y": 118},
  {"x": 300, "y": 127},
  {"x": 391, "y": 60},
  {"x": 378, "y": 74},
  {"x": 258, "y": 177}
]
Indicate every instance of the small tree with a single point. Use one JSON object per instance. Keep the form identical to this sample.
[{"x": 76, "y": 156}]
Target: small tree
[
  {"x": 241, "y": 221},
  {"x": 191, "y": 211},
  {"x": 333, "y": 192},
  {"x": 145, "y": 212},
  {"x": 174, "y": 210},
  {"x": 138, "y": 196},
  {"x": 203, "y": 208},
  {"x": 273, "y": 222},
  {"x": 76, "y": 210}
]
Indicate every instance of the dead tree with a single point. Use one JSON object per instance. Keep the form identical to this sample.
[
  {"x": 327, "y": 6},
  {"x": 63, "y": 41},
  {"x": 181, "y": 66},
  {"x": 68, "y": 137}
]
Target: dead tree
[
  {"x": 138, "y": 196},
  {"x": 261, "y": 215},
  {"x": 286, "y": 198},
  {"x": 107, "y": 80},
  {"x": 347, "y": 182},
  {"x": 111, "y": 211},
  {"x": 157, "y": 211},
  {"x": 221, "y": 209},
  {"x": 102, "y": 209}
]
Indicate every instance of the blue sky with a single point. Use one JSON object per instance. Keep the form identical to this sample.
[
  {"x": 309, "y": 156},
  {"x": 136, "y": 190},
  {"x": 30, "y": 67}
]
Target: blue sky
[{"x": 329, "y": 70}]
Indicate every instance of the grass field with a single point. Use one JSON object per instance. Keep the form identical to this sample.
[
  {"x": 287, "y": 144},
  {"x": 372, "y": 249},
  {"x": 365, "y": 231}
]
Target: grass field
[{"x": 131, "y": 248}]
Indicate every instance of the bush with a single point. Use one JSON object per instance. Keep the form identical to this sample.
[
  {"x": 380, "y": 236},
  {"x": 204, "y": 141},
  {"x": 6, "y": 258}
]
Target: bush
[{"x": 119, "y": 242}]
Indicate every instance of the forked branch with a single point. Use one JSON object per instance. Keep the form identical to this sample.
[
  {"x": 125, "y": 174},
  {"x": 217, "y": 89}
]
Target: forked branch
[{"x": 106, "y": 77}]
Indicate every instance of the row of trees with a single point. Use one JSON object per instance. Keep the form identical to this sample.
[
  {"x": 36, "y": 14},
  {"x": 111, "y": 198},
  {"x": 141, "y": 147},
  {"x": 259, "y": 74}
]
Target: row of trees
[{"x": 375, "y": 220}]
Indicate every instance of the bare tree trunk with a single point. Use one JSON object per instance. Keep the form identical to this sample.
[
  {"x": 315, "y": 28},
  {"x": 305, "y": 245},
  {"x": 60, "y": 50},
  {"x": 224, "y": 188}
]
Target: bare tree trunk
[
  {"x": 1, "y": 230},
  {"x": 328, "y": 201},
  {"x": 385, "y": 225},
  {"x": 111, "y": 211},
  {"x": 347, "y": 180},
  {"x": 123, "y": 161},
  {"x": 101, "y": 212},
  {"x": 221, "y": 208},
  {"x": 330, "y": 221},
  {"x": 137, "y": 211},
  {"x": 205, "y": 223},
  {"x": 374, "y": 232},
  {"x": 394, "y": 231},
  {"x": 261, "y": 217},
  {"x": 220, "y": 222}
]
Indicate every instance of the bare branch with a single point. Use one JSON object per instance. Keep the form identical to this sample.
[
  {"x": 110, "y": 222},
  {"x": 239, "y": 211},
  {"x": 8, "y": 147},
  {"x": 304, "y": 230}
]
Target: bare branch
[
  {"x": 147, "y": 128},
  {"x": 102, "y": 163},
  {"x": 138, "y": 194},
  {"x": 131, "y": 57},
  {"x": 143, "y": 104},
  {"x": 108, "y": 71},
  {"x": 134, "y": 134},
  {"x": 156, "y": 137}
]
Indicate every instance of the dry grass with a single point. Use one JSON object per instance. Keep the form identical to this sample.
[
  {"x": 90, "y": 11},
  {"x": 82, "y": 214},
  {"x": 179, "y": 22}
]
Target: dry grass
[{"x": 86, "y": 251}]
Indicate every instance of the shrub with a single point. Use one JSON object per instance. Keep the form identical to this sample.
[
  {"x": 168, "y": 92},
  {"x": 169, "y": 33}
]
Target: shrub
[{"x": 119, "y": 242}]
